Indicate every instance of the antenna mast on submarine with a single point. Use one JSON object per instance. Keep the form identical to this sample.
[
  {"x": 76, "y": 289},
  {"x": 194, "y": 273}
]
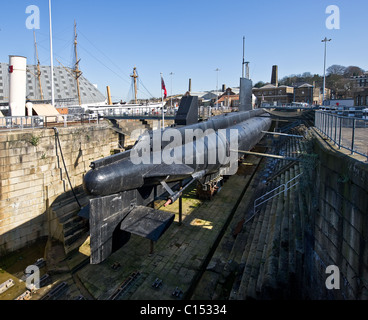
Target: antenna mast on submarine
[
  {"x": 245, "y": 63},
  {"x": 76, "y": 70}
]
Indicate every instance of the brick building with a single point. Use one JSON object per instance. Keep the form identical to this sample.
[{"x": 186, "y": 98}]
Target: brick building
[
  {"x": 274, "y": 94},
  {"x": 361, "y": 98}
]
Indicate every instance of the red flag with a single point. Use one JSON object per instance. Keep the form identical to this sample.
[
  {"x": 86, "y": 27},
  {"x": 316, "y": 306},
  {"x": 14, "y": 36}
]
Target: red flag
[{"x": 163, "y": 87}]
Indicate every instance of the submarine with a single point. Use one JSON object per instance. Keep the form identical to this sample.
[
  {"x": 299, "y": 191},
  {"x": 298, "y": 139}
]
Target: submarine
[{"x": 163, "y": 163}]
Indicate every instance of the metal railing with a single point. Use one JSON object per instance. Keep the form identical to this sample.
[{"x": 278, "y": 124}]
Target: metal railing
[
  {"x": 284, "y": 188},
  {"x": 345, "y": 132},
  {"x": 135, "y": 112},
  {"x": 20, "y": 123},
  {"x": 39, "y": 122},
  {"x": 293, "y": 105}
]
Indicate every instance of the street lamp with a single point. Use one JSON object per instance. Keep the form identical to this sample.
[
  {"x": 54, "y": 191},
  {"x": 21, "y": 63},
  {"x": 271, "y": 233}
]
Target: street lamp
[
  {"x": 217, "y": 70},
  {"x": 51, "y": 60},
  {"x": 325, "y": 40},
  {"x": 171, "y": 74}
]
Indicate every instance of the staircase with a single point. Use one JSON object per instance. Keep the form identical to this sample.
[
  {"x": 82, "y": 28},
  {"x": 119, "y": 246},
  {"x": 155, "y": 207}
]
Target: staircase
[
  {"x": 273, "y": 255},
  {"x": 263, "y": 259},
  {"x": 130, "y": 130},
  {"x": 74, "y": 228}
]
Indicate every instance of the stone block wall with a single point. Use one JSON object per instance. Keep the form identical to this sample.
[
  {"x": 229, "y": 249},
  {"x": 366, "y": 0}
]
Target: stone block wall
[
  {"x": 338, "y": 233},
  {"x": 32, "y": 176}
]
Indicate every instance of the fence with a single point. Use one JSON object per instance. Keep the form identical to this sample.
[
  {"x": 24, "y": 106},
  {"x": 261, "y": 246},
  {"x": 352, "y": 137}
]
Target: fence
[
  {"x": 346, "y": 132},
  {"x": 39, "y": 122},
  {"x": 134, "y": 112}
]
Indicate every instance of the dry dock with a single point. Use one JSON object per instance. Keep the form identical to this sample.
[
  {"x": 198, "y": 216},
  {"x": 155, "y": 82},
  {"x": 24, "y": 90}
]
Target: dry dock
[{"x": 179, "y": 257}]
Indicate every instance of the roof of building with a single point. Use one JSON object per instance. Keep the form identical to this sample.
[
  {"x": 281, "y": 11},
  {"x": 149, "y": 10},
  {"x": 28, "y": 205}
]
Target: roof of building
[
  {"x": 230, "y": 98},
  {"x": 65, "y": 87},
  {"x": 306, "y": 85},
  {"x": 268, "y": 86},
  {"x": 45, "y": 110}
]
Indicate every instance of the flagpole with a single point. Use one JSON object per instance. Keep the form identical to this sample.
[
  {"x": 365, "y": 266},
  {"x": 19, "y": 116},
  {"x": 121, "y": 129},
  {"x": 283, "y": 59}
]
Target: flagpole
[
  {"x": 162, "y": 99},
  {"x": 52, "y": 60}
]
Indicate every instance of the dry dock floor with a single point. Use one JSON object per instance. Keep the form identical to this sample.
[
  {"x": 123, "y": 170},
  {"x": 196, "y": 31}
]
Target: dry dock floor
[
  {"x": 179, "y": 259},
  {"x": 179, "y": 256}
]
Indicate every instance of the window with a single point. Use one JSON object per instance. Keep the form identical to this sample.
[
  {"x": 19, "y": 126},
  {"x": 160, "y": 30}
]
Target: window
[{"x": 366, "y": 100}]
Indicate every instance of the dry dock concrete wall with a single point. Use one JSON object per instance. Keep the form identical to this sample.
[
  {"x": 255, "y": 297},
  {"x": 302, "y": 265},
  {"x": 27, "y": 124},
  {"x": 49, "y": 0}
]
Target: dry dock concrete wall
[
  {"x": 338, "y": 226},
  {"x": 32, "y": 176}
]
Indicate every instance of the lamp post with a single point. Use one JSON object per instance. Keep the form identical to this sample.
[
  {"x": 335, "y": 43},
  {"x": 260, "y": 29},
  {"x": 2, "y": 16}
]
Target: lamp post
[
  {"x": 171, "y": 74},
  {"x": 217, "y": 93},
  {"x": 51, "y": 59},
  {"x": 325, "y": 40}
]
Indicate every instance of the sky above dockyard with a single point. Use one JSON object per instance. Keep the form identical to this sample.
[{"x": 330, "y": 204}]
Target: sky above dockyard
[{"x": 190, "y": 39}]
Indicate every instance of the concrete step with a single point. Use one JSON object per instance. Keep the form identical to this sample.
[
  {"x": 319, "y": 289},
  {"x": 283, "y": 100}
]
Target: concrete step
[
  {"x": 250, "y": 229},
  {"x": 73, "y": 225},
  {"x": 249, "y": 258},
  {"x": 267, "y": 211},
  {"x": 68, "y": 208},
  {"x": 69, "y": 240},
  {"x": 292, "y": 215},
  {"x": 270, "y": 229},
  {"x": 269, "y": 287},
  {"x": 257, "y": 262},
  {"x": 243, "y": 252}
]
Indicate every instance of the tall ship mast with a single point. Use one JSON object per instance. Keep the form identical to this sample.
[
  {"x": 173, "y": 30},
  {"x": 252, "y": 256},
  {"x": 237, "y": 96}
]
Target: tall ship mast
[
  {"x": 38, "y": 75},
  {"x": 135, "y": 77},
  {"x": 77, "y": 72}
]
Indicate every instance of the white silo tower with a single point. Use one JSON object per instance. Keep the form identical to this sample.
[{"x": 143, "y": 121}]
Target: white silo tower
[{"x": 17, "y": 85}]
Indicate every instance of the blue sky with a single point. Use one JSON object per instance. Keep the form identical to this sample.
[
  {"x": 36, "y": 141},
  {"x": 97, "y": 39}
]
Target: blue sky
[{"x": 188, "y": 38}]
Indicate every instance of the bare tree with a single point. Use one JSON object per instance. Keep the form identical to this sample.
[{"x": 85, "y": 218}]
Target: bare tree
[
  {"x": 353, "y": 71},
  {"x": 336, "y": 69}
]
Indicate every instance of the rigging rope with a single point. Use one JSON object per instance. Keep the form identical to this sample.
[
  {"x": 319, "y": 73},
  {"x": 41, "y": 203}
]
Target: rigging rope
[{"x": 66, "y": 171}]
